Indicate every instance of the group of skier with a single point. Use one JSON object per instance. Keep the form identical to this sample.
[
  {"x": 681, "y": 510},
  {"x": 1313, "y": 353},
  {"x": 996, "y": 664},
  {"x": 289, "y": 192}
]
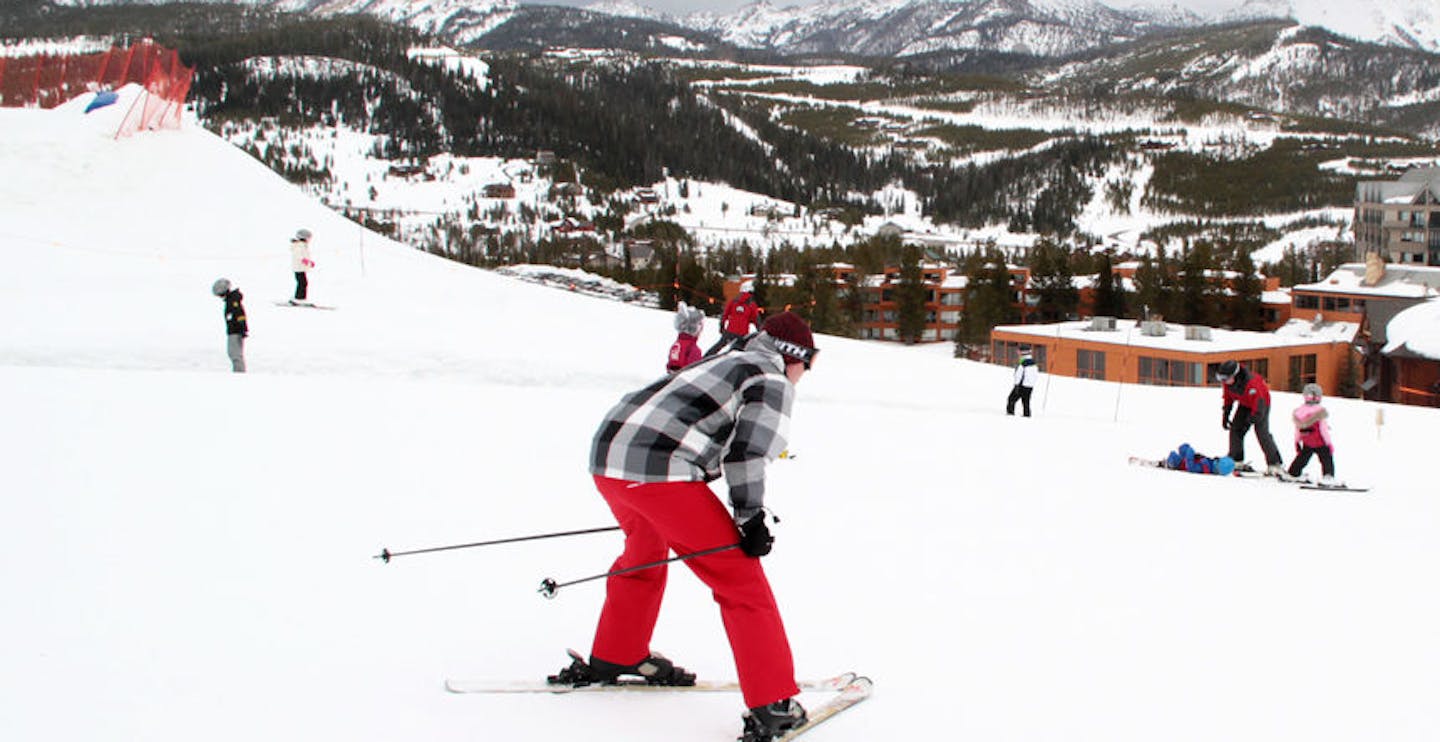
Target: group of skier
[
  {"x": 1246, "y": 393},
  {"x": 725, "y": 412},
  {"x": 237, "y": 328}
]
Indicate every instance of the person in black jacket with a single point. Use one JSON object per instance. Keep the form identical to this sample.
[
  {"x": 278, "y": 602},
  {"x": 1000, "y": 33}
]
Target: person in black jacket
[{"x": 236, "y": 328}]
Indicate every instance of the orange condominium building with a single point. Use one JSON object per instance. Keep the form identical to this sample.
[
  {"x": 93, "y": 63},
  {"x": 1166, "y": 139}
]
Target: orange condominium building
[{"x": 1163, "y": 354}]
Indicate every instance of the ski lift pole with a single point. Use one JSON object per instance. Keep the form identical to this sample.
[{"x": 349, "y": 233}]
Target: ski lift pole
[
  {"x": 549, "y": 587},
  {"x": 386, "y": 555}
]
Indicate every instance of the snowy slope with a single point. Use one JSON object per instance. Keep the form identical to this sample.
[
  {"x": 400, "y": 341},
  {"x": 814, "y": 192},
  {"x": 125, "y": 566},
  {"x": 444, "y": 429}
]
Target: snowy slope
[{"x": 189, "y": 552}]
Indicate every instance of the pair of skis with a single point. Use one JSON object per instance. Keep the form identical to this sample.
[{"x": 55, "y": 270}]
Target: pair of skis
[
  {"x": 1303, "y": 484},
  {"x": 303, "y": 303},
  {"x": 849, "y": 688}
]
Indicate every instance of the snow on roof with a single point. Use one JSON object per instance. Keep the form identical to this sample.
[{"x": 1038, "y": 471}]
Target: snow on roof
[
  {"x": 1403, "y": 191},
  {"x": 1399, "y": 281},
  {"x": 1275, "y": 297},
  {"x": 1293, "y": 333},
  {"x": 1416, "y": 329}
]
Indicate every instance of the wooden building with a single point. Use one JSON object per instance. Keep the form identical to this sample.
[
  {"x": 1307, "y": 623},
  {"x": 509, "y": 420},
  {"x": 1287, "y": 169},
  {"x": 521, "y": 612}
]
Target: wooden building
[{"x": 1165, "y": 354}]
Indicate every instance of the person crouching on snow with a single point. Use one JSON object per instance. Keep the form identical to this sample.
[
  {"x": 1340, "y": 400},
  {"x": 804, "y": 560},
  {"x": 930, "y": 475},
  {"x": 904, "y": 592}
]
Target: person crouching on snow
[{"x": 652, "y": 459}]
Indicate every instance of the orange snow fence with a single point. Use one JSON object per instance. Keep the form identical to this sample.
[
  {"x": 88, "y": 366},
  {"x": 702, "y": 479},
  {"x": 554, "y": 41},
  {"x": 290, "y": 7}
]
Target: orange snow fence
[{"x": 47, "y": 80}]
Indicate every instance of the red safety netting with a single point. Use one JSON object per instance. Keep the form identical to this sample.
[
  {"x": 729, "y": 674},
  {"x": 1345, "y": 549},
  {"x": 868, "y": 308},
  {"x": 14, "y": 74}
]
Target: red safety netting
[{"x": 47, "y": 80}]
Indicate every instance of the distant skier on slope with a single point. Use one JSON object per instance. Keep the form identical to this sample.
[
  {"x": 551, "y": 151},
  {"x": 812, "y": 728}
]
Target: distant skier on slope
[
  {"x": 740, "y": 313},
  {"x": 301, "y": 263},
  {"x": 1026, "y": 374},
  {"x": 689, "y": 321},
  {"x": 651, "y": 459},
  {"x": 1252, "y": 394},
  {"x": 236, "y": 327},
  {"x": 1312, "y": 436}
]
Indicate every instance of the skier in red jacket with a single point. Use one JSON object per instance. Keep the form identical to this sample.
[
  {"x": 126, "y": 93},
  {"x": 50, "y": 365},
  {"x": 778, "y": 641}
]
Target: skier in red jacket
[
  {"x": 740, "y": 313},
  {"x": 1252, "y": 394}
]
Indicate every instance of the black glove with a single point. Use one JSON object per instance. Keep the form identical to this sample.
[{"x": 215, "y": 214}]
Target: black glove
[
  {"x": 755, "y": 538},
  {"x": 1225, "y": 418}
]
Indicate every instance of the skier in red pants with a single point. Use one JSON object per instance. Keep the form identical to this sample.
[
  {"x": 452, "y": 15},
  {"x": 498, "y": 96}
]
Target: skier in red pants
[{"x": 652, "y": 459}]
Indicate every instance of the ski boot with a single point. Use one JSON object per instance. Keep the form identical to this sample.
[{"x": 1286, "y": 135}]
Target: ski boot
[
  {"x": 653, "y": 670},
  {"x": 1277, "y": 471},
  {"x": 765, "y": 723}
]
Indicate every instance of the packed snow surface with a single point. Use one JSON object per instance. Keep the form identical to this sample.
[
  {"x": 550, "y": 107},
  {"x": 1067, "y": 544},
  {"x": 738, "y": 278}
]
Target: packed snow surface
[{"x": 189, "y": 553}]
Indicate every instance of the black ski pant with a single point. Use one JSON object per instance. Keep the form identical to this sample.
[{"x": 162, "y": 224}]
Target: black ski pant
[
  {"x": 1241, "y": 424},
  {"x": 726, "y": 338},
  {"x": 1302, "y": 457},
  {"x": 302, "y": 285},
  {"x": 1020, "y": 393}
]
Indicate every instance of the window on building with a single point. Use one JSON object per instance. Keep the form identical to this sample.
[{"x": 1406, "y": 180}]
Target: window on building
[
  {"x": 1302, "y": 371},
  {"x": 1307, "y": 301},
  {"x": 1090, "y": 364},
  {"x": 1007, "y": 353},
  {"x": 1166, "y": 372}
]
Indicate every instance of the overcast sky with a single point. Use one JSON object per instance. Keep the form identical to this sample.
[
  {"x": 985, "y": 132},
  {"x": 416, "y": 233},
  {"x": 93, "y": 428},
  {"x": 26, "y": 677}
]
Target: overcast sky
[{"x": 683, "y": 7}]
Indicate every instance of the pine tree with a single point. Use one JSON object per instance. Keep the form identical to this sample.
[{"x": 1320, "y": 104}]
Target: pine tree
[
  {"x": 987, "y": 301},
  {"x": 1053, "y": 281},
  {"x": 1196, "y": 305},
  {"x": 1247, "y": 307},
  {"x": 1109, "y": 299},
  {"x": 1149, "y": 289},
  {"x": 910, "y": 295}
]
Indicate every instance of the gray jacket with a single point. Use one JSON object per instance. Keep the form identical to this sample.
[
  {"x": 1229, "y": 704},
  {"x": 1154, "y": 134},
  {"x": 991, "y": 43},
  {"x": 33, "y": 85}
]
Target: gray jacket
[{"x": 726, "y": 414}]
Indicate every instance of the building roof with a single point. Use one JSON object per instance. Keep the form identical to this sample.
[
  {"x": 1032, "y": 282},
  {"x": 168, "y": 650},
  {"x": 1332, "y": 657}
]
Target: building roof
[
  {"x": 1128, "y": 333},
  {"x": 1406, "y": 190},
  {"x": 1400, "y": 282},
  {"x": 1415, "y": 331}
]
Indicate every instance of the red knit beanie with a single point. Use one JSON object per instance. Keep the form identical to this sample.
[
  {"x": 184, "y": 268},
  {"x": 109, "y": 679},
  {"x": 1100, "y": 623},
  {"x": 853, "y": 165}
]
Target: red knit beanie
[{"x": 792, "y": 337}]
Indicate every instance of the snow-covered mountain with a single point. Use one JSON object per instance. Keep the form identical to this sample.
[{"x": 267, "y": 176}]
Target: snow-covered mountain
[
  {"x": 910, "y": 27},
  {"x": 1045, "y": 28}
]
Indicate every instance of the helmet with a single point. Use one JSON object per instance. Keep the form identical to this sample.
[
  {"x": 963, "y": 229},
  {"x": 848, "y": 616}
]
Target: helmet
[
  {"x": 747, "y": 287},
  {"x": 1227, "y": 371},
  {"x": 303, "y": 235},
  {"x": 221, "y": 287},
  {"x": 1311, "y": 392},
  {"x": 1224, "y": 466},
  {"x": 689, "y": 320}
]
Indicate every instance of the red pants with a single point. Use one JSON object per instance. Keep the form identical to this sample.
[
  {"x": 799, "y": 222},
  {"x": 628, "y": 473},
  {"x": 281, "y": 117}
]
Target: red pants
[{"x": 687, "y": 517}]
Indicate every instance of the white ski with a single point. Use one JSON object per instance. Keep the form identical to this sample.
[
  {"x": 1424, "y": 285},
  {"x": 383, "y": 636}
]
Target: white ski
[
  {"x": 857, "y": 690},
  {"x": 839, "y": 682}
]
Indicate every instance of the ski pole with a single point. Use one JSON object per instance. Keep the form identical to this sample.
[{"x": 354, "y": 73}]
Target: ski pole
[
  {"x": 549, "y": 587},
  {"x": 386, "y": 554}
]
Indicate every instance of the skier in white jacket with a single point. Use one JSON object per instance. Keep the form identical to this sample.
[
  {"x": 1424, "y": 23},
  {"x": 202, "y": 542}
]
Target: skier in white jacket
[
  {"x": 1026, "y": 374},
  {"x": 301, "y": 263}
]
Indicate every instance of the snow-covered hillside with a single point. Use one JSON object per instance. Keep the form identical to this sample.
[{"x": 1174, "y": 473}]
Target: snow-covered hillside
[{"x": 189, "y": 552}]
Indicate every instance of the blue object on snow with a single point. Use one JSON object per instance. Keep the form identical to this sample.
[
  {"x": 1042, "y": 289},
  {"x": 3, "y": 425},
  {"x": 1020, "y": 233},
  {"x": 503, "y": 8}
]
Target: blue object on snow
[
  {"x": 102, "y": 99},
  {"x": 1224, "y": 466}
]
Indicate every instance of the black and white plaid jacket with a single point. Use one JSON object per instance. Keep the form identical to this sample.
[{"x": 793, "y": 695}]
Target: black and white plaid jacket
[{"x": 729, "y": 413}]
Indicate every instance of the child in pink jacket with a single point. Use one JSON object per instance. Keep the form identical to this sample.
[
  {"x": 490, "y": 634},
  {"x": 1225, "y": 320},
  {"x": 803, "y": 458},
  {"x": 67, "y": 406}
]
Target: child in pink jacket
[{"x": 1312, "y": 436}]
